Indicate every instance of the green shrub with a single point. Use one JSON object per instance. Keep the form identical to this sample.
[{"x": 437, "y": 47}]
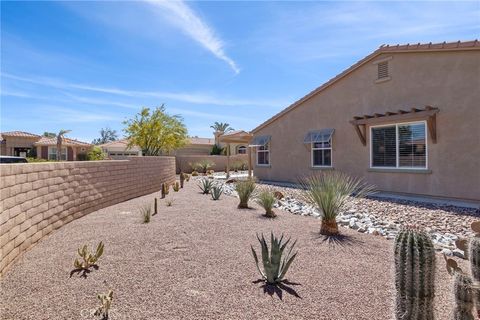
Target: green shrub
[
  {"x": 30, "y": 159},
  {"x": 88, "y": 259},
  {"x": 96, "y": 153},
  {"x": 194, "y": 174},
  {"x": 217, "y": 150},
  {"x": 266, "y": 199},
  {"x": 245, "y": 190},
  {"x": 329, "y": 192},
  {"x": 205, "y": 185},
  {"x": 216, "y": 192},
  {"x": 274, "y": 267}
]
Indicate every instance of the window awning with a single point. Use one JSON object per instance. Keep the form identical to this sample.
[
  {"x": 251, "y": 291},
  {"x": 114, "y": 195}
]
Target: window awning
[
  {"x": 319, "y": 136},
  {"x": 260, "y": 141}
]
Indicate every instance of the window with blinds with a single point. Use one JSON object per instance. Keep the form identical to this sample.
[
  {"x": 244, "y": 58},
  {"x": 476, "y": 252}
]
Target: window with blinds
[
  {"x": 399, "y": 146},
  {"x": 382, "y": 70}
]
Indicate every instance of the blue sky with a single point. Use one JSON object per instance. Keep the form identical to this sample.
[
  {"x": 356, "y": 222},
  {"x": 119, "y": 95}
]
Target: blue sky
[{"x": 87, "y": 65}]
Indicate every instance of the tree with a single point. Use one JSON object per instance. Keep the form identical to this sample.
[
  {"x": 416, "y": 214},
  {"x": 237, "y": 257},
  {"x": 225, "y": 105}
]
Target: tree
[
  {"x": 96, "y": 153},
  {"x": 49, "y": 134},
  {"x": 221, "y": 127},
  {"x": 155, "y": 131},
  {"x": 60, "y": 136},
  {"x": 106, "y": 135}
]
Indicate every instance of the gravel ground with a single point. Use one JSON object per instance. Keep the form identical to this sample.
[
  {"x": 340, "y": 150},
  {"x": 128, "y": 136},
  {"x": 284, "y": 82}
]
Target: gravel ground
[{"x": 193, "y": 261}]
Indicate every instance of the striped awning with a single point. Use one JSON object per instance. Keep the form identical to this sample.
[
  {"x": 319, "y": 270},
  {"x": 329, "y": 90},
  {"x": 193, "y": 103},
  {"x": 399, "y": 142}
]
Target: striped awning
[{"x": 318, "y": 136}]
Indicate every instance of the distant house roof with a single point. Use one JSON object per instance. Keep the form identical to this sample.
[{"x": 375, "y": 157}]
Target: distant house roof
[
  {"x": 45, "y": 141},
  {"x": 204, "y": 141},
  {"x": 19, "y": 134},
  {"x": 119, "y": 145},
  {"x": 425, "y": 47}
]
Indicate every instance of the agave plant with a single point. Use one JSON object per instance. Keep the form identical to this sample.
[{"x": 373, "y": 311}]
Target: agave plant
[
  {"x": 216, "y": 192},
  {"x": 329, "y": 192},
  {"x": 267, "y": 199},
  {"x": 274, "y": 267},
  {"x": 105, "y": 304},
  {"x": 245, "y": 190},
  {"x": 205, "y": 185},
  {"x": 89, "y": 259}
]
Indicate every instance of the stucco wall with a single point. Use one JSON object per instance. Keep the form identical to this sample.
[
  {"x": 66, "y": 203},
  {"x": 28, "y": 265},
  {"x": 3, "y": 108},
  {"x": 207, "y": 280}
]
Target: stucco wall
[
  {"x": 38, "y": 198},
  {"x": 449, "y": 81},
  {"x": 183, "y": 161}
]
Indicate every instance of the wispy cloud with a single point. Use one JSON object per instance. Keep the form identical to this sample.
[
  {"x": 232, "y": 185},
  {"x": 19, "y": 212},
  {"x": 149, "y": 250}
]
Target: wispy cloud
[
  {"x": 194, "y": 98},
  {"x": 182, "y": 16}
]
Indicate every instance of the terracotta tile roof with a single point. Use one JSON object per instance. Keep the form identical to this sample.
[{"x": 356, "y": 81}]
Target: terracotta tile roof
[
  {"x": 196, "y": 140},
  {"x": 117, "y": 143},
  {"x": 19, "y": 134},
  {"x": 45, "y": 141},
  {"x": 424, "y": 47}
]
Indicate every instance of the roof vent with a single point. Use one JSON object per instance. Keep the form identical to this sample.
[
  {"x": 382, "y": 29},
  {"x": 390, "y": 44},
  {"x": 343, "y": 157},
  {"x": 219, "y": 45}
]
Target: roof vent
[{"x": 382, "y": 70}]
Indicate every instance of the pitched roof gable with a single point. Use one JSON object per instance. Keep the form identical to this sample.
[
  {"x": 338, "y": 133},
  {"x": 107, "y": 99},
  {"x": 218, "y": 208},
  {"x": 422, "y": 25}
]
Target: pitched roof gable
[{"x": 425, "y": 47}]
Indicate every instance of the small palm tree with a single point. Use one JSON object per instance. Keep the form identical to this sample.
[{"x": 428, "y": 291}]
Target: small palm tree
[
  {"x": 60, "y": 137},
  {"x": 221, "y": 127},
  {"x": 329, "y": 192}
]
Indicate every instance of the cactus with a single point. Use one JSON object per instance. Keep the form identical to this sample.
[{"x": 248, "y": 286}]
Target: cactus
[
  {"x": 89, "y": 260},
  {"x": 187, "y": 177},
  {"x": 472, "y": 253},
  {"x": 155, "y": 207},
  {"x": 274, "y": 267},
  {"x": 216, "y": 192},
  {"x": 414, "y": 274},
  {"x": 464, "y": 292},
  {"x": 182, "y": 179},
  {"x": 176, "y": 186},
  {"x": 194, "y": 173},
  {"x": 105, "y": 304},
  {"x": 165, "y": 189}
]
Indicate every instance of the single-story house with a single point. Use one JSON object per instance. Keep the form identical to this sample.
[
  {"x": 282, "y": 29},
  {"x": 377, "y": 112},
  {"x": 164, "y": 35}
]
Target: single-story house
[
  {"x": 25, "y": 144},
  {"x": 406, "y": 118},
  {"x": 119, "y": 150}
]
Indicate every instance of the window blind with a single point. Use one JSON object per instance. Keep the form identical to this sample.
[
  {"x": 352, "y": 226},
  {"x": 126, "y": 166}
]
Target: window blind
[
  {"x": 412, "y": 151},
  {"x": 384, "y": 149}
]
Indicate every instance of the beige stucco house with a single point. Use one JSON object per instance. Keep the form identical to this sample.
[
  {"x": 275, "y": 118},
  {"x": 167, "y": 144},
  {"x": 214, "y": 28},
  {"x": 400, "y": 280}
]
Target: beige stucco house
[
  {"x": 25, "y": 144},
  {"x": 406, "y": 118},
  {"x": 119, "y": 149}
]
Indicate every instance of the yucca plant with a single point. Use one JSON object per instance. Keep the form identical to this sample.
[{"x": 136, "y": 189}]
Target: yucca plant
[
  {"x": 329, "y": 192},
  {"x": 216, "y": 192},
  {"x": 105, "y": 304},
  {"x": 266, "y": 199},
  {"x": 88, "y": 259},
  {"x": 245, "y": 190},
  {"x": 274, "y": 267},
  {"x": 204, "y": 165},
  {"x": 205, "y": 185},
  {"x": 146, "y": 212}
]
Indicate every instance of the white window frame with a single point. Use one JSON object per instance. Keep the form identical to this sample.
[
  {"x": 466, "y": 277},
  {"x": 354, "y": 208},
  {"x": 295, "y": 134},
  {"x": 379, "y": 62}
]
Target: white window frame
[
  {"x": 243, "y": 148},
  {"x": 55, "y": 153},
  {"x": 263, "y": 151},
  {"x": 397, "y": 167},
  {"x": 322, "y": 148}
]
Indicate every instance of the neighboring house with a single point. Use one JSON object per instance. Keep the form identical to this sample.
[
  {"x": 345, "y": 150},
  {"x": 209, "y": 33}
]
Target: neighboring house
[
  {"x": 24, "y": 144},
  {"x": 119, "y": 150},
  {"x": 196, "y": 146},
  {"x": 235, "y": 148},
  {"x": 405, "y": 117}
]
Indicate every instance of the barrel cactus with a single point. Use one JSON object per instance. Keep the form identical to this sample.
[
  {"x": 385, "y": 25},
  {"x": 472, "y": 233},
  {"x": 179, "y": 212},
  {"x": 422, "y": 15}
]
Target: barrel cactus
[
  {"x": 414, "y": 274},
  {"x": 463, "y": 289}
]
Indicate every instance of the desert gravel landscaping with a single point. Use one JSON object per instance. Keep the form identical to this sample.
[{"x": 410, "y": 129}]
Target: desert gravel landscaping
[{"x": 193, "y": 261}]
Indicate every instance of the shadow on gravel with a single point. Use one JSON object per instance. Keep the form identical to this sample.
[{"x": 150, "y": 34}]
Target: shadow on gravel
[
  {"x": 279, "y": 288},
  {"x": 83, "y": 272},
  {"x": 341, "y": 240}
]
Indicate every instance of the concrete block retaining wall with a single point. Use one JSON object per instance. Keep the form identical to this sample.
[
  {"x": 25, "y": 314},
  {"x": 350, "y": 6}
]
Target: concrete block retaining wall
[{"x": 37, "y": 198}]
